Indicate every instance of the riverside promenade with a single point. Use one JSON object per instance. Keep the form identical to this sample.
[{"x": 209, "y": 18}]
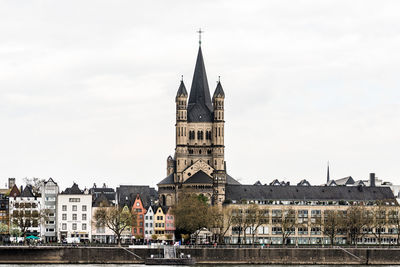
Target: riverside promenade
[{"x": 275, "y": 255}]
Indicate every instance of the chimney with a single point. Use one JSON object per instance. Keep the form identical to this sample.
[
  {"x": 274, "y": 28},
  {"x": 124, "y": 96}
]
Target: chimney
[
  {"x": 372, "y": 179},
  {"x": 11, "y": 183}
]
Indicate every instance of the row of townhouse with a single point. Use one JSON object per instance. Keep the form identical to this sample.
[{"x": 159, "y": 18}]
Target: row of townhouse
[
  {"x": 56, "y": 216},
  {"x": 153, "y": 222}
]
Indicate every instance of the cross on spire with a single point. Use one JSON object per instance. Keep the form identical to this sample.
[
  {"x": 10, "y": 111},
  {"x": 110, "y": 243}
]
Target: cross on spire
[{"x": 200, "y": 32}]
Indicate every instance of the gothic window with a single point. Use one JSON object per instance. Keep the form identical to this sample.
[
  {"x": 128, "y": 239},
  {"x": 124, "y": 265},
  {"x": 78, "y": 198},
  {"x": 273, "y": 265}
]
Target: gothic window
[
  {"x": 219, "y": 131},
  {"x": 200, "y": 135},
  {"x": 209, "y": 151},
  {"x": 200, "y": 151}
]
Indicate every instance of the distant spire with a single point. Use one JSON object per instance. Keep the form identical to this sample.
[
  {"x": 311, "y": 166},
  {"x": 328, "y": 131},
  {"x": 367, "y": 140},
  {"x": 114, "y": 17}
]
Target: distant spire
[
  {"x": 219, "y": 92},
  {"x": 200, "y": 32},
  {"x": 327, "y": 174}
]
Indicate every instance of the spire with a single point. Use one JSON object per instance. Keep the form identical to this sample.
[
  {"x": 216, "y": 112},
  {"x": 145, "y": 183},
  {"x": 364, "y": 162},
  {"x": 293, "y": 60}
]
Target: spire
[
  {"x": 182, "y": 90},
  {"x": 327, "y": 174},
  {"x": 200, "y": 106},
  {"x": 219, "y": 92}
]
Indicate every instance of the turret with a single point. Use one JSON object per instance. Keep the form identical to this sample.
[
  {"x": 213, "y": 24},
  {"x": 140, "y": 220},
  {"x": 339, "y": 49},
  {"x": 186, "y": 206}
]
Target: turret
[
  {"x": 219, "y": 175},
  {"x": 218, "y": 127},
  {"x": 181, "y": 130},
  {"x": 170, "y": 165},
  {"x": 181, "y": 115}
]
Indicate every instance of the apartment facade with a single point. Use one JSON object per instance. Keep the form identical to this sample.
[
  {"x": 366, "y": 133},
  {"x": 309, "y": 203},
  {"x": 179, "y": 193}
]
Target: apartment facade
[
  {"x": 149, "y": 224},
  {"x": 301, "y": 214},
  {"x": 74, "y": 214},
  {"x": 139, "y": 212},
  {"x": 49, "y": 191},
  {"x": 25, "y": 212}
]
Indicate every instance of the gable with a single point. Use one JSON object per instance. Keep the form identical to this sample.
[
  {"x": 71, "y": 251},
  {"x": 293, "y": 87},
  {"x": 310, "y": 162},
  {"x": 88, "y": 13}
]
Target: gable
[{"x": 199, "y": 165}]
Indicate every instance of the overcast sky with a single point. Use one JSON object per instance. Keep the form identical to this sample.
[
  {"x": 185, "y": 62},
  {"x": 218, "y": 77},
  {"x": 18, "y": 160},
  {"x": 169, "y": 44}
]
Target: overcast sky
[{"x": 87, "y": 88}]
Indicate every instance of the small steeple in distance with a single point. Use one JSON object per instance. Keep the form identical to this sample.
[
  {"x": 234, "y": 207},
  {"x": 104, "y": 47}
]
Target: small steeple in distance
[
  {"x": 327, "y": 175},
  {"x": 181, "y": 90},
  {"x": 219, "y": 92}
]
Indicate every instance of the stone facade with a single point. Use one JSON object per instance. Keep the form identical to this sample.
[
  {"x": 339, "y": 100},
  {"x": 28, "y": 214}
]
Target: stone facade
[{"x": 198, "y": 165}]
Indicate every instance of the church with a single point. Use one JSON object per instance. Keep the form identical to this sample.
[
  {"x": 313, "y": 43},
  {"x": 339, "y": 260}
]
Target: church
[{"x": 198, "y": 165}]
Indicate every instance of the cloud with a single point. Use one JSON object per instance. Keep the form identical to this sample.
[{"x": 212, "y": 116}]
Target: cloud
[{"x": 87, "y": 88}]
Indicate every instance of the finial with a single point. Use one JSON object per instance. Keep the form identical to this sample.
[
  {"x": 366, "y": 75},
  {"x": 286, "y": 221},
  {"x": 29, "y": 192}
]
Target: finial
[
  {"x": 200, "y": 32},
  {"x": 181, "y": 78},
  {"x": 219, "y": 78}
]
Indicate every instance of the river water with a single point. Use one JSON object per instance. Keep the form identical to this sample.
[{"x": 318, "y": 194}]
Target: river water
[{"x": 141, "y": 265}]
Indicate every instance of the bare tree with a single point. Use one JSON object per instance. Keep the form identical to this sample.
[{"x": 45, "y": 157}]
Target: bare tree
[
  {"x": 35, "y": 183},
  {"x": 332, "y": 224},
  {"x": 117, "y": 219},
  {"x": 222, "y": 220},
  {"x": 255, "y": 218},
  {"x": 394, "y": 219},
  {"x": 288, "y": 224},
  {"x": 355, "y": 220},
  {"x": 379, "y": 221}
]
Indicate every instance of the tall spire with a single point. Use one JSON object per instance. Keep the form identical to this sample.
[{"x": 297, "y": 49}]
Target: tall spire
[
  {"x": 200, "y": 107},
  {"x": 327, "y": 174}
]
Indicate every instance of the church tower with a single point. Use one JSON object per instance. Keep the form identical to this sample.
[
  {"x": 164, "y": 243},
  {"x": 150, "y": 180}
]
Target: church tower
[{"x": 198, "y": 165}]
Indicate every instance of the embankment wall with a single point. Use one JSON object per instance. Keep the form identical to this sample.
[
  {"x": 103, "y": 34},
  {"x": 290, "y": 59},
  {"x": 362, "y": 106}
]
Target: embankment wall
[{"x": 202, "y": 255}]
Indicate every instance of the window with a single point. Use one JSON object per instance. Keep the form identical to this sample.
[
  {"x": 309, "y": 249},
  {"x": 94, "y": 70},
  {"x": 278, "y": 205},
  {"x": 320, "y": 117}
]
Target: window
[
  {"x": 83, "y": 217},
  {"x": 74, "y": 208},
  {"x": 64, "y": 207},
  {"x": 74, "y": 217},
  {"x": 74, "y": 226},
  {"x": 137, "y": 204},
  {"x": 64, "y": 226},
  {"x": 84, "y": 208},
  {"x": 73, "y": 199},
  {"x": 83, "y": 226},
  {"x": 64, "y": 217}
]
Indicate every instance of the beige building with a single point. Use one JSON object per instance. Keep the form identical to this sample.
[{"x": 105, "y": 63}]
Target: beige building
[
  {"x": 264, "y": 212},
  {"x": 198, "y": 165}
]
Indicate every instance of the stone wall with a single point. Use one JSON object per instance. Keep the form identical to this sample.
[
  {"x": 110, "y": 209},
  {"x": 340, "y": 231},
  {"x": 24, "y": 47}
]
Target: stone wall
[{"x": 206, "y": 255}]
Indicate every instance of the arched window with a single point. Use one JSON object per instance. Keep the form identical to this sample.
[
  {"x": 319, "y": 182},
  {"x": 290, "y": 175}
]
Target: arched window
[{"x": 200, "y": 151}]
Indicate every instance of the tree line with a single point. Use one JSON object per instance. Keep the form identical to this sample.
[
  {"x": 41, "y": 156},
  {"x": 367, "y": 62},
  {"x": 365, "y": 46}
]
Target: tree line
[{"x": 193, "y": 213}]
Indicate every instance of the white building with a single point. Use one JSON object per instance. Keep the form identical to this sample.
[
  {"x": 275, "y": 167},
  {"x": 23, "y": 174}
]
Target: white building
[
  {"x": 74, "y": 214},
  {"x": 49, "y": 191},
  {"x": 25, "y": 212},
  {"x": 149, "y": 223}
]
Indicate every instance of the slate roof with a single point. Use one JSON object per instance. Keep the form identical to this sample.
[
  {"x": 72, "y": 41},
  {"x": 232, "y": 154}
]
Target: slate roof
[
  {"x": 200, "y": 107},
  {"x": 27, "y": 192},
  {"x": 199, "y": 177},
  {"x": 167, "y": 180},
  {"x": 231, "y": 181},
  {"x": 181, "y": 90},
  {"x": 126, "y": 195},
  {"x": 345, "y": 181},
  {"x": 107, "y": 191},
  {"x": 219, "y": 91},
  {"x": 73, "y": 190},
  {"x": 15, "y": 191},
  {"x": 100, "y": 200},
  {"x": 267, "y": 192}
]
